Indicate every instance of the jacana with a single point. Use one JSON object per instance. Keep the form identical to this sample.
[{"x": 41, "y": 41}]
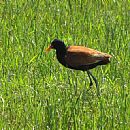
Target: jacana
[{"x": 79, "y": 58}]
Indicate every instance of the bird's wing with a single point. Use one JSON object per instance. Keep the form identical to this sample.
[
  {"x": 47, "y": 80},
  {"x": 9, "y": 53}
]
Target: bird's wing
[{"x": 78, "y": 56}]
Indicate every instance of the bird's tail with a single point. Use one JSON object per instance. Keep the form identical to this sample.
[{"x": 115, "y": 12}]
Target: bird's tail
[{"x": 105, "y": 60}]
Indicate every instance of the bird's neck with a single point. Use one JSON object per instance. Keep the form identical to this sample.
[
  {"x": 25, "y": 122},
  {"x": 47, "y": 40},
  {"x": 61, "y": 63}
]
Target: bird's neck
[{"x": 61, "y": 56}]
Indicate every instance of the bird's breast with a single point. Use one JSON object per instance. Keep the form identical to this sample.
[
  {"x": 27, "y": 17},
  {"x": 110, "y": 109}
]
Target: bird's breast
[{"x": 61, "y": 58}]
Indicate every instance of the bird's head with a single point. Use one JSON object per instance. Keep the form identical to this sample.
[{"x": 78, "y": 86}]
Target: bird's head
[{"x": 57, "y": 45}]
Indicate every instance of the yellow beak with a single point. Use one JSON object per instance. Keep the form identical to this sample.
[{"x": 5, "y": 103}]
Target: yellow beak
[{"x": 48, "y": 49}]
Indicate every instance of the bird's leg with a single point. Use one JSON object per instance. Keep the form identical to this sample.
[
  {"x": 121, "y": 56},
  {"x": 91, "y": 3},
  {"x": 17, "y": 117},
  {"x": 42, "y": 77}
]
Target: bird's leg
[
  {"x": 91, "y": 83},
  {"x": 95, "y": 80}
]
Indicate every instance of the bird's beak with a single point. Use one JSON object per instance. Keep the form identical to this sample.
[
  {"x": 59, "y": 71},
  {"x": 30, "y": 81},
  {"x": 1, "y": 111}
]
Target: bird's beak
[{"x": 49, "y": 48}]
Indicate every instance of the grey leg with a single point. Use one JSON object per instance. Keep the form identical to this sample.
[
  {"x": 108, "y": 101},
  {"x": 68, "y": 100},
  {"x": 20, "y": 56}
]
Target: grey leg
[
  {"x": 95, "y": 80},
  {"x": 91, "y": 83}
]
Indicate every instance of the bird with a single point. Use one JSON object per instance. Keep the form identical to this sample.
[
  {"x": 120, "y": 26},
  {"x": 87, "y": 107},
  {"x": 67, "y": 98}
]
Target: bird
[{"x": 79, "y": 58}]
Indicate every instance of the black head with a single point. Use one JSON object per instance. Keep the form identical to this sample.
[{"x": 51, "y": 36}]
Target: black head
[{"x": 58, "y": 44}]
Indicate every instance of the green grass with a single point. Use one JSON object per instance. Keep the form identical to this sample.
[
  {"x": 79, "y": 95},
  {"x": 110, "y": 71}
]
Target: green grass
[{"x": 36, "y": 92}]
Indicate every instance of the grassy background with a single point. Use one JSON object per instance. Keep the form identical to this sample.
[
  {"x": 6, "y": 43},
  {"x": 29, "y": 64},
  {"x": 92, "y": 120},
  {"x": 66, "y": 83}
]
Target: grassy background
[{"x": 36, "y": 92}]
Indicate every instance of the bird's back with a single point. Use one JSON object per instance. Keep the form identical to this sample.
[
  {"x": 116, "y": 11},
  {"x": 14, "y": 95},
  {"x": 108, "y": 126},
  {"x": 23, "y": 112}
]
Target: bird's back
[{"x": 86, "y": 51}]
